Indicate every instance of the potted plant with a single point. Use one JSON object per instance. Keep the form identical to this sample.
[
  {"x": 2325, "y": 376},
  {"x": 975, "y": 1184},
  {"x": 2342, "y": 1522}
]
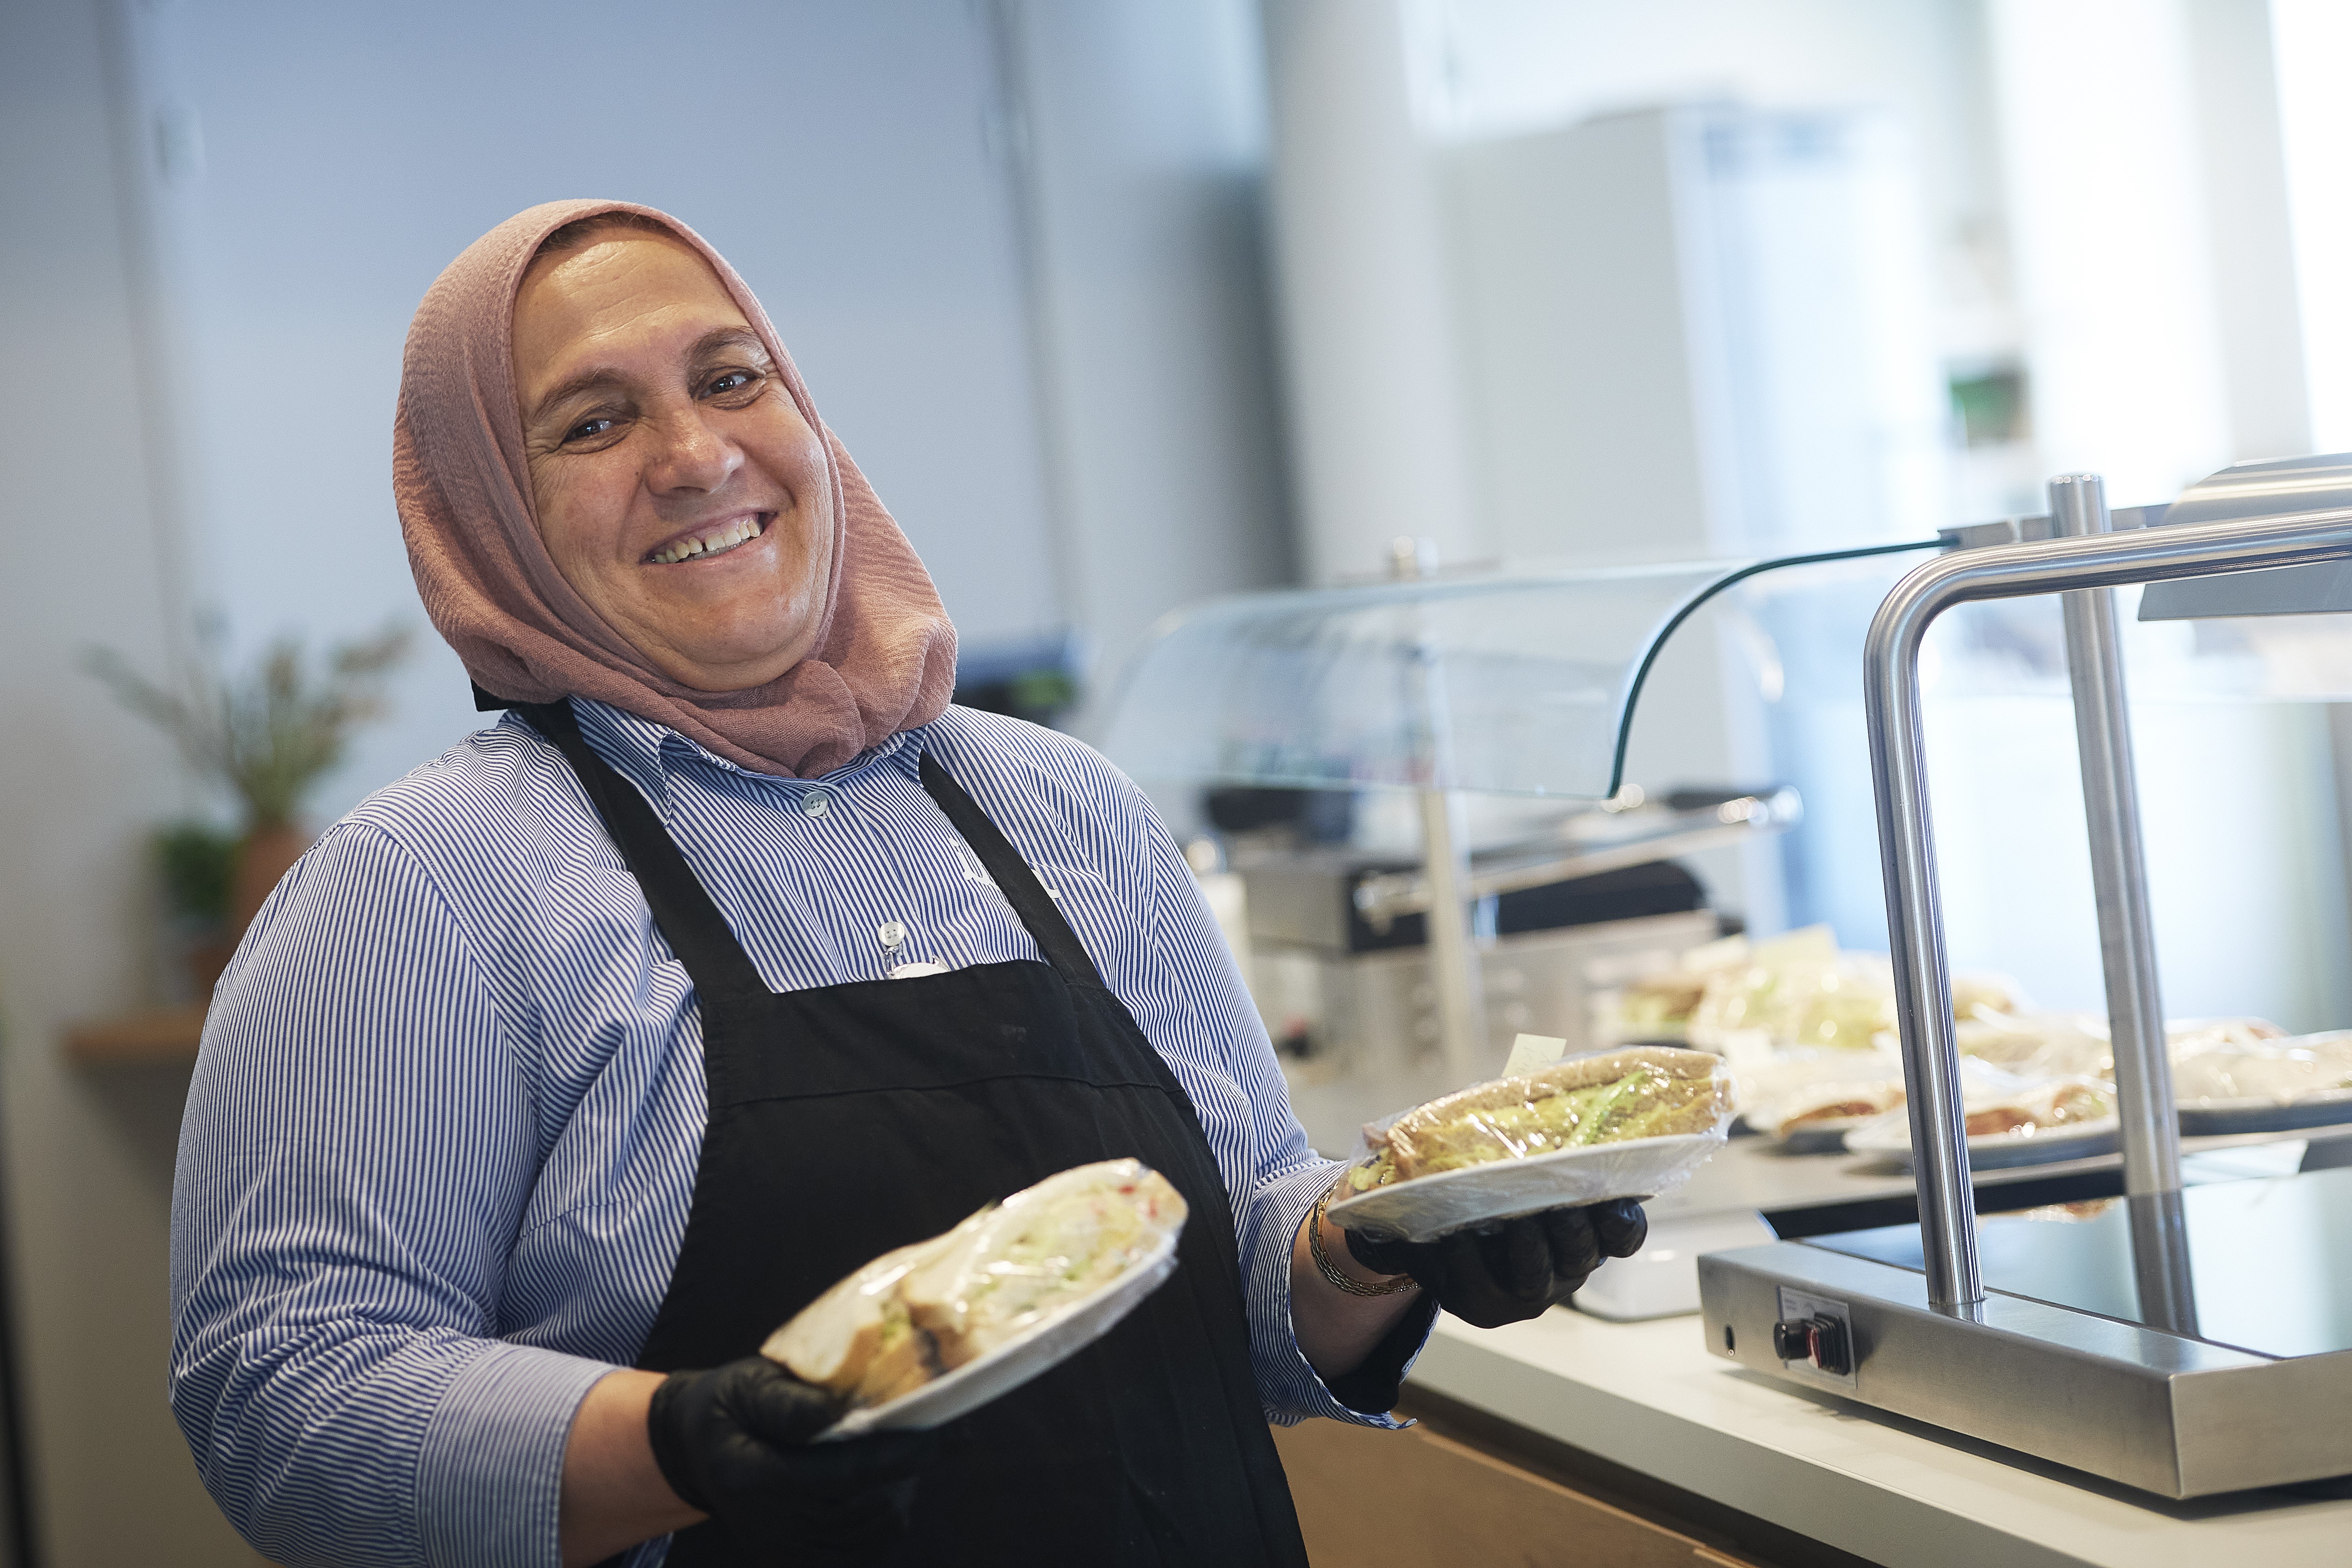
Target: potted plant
[
  {"x": 198, "y": 863},
  {"x": 266, "y": 734}
]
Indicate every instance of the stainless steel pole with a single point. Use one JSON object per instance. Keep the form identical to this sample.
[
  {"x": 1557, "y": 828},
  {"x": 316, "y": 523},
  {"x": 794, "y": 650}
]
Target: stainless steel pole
[
  {"x": 1906, "y": 837},
  {"x": 1454, "y": 968},
  {"x": 1457, "y": 985},
  {"x": 1914, "y": 927},
  {"x": 2151, "y": 1129},
  {"x": 2160, "y": 1266}
]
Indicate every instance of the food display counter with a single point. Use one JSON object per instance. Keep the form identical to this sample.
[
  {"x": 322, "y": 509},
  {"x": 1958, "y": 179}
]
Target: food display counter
[
  {"x": 1576, "y": 1439},
  {"x": 1884, "y": 1378},
  {"x": 1650, "y": 1398}
]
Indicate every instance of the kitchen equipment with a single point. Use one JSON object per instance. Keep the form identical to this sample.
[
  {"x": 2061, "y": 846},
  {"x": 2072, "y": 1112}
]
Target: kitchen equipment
[{"x": 2188, "y": 1341}]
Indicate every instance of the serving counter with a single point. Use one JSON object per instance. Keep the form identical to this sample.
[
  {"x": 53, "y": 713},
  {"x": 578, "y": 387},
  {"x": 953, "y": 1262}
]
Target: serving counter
[
  {"x": 1648, "y": 1398},
  {"x": 1575, "y": 1440},
  {"x": 2071, "y": 1331}
]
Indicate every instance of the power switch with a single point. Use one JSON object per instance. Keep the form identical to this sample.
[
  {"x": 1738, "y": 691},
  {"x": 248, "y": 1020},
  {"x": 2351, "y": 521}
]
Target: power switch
[
  {"x": 1831, "y": 1352},
  {"x": 1814, "y": 1337},
  {"x": 1819, "y": 1340}
]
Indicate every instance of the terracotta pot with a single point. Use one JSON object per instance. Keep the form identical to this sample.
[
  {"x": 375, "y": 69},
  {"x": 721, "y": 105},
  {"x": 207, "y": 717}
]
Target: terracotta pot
[{"x": 267, "y": 854}]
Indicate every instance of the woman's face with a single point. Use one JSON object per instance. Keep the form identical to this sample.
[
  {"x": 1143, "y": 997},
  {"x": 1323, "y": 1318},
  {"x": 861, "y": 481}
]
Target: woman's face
[{"x": 678, "y": 490}]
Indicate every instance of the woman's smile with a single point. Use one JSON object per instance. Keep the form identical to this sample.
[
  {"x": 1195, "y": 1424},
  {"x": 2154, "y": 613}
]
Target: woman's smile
[{"x": 709, "y": 541}]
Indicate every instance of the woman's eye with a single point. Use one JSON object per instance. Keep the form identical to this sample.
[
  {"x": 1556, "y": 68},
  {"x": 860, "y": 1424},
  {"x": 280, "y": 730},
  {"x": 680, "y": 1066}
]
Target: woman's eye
[
  {"x": 731, "y": 381},
  {"x": 589, "y": 429}
]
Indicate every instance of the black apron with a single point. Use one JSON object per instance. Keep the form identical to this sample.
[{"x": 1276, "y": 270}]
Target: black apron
[{"x": 851, "y": 1119}]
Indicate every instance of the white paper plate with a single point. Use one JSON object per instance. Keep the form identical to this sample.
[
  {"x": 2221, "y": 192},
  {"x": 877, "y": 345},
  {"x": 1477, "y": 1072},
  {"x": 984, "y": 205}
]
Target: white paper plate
[
  {"x": 1430, "y": 1206},
  {"x": 1036, "y": 1349},
  {"x": 1891, "y": 1135}
]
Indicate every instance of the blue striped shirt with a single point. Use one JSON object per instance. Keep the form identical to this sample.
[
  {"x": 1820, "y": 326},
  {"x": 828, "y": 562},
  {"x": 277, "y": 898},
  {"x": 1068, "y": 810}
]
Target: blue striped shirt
[{"x": 442, "y": 1136}]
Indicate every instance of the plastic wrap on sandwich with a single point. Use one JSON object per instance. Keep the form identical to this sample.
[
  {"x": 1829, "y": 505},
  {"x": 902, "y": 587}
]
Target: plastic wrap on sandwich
[
  {"x": 1814, "y": 1118},
  {"x": 2010, "y": 1120},
  {"x": 2281, "y": 1071},
  {"x": 1622, "y": 1123},
  {"x": 1797, "y": 992},
  {"x": 2075, "y": 1044},
  {"x": 937, "y": 1308}
]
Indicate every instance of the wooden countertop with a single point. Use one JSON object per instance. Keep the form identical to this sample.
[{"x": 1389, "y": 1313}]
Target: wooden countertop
[{"x": 1648, "y": 1395}]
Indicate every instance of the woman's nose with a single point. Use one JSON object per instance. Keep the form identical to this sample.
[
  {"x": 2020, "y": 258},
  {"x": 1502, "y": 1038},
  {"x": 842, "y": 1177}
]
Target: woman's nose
[{"x": 691, "y": 455}]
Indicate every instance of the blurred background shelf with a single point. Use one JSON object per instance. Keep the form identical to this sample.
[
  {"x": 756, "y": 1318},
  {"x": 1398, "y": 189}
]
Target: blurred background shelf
[{"x": 152, "y": 1035}]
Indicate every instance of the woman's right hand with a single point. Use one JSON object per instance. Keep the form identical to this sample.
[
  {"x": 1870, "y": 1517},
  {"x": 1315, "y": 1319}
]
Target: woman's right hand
[
  {"x": 1516, "y": 1269},
  {"x": 734, "y": 1442}
]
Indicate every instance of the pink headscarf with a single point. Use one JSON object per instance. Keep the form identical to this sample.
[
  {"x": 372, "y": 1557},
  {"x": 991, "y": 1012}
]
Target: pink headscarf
[{"x": 885, "y": 654}]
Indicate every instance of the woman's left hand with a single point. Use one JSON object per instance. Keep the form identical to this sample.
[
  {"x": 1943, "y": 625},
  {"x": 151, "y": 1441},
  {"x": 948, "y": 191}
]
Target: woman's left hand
[{"x": 1509, "y": 1272}]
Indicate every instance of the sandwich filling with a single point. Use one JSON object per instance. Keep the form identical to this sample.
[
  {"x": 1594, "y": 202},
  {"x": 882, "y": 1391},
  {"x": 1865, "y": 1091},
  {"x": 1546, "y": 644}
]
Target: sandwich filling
[
  {"x": 925, "y": 1310},
  {"x": 1640, "y": 1093}
]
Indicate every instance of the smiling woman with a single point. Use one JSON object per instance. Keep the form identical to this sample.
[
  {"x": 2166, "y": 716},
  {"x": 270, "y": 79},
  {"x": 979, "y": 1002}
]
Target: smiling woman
[
  {"x": 680, "y": 493},
  {"x": 594, "y": 408},
  {"x": 564, "y": 1069}
]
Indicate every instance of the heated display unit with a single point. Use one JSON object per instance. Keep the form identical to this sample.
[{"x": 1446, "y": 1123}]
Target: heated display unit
[{"x": 2185, "y": 1342}]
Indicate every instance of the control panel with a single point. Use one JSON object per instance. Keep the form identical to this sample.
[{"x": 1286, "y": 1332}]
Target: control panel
[{"x": 1813, "y": 1336}]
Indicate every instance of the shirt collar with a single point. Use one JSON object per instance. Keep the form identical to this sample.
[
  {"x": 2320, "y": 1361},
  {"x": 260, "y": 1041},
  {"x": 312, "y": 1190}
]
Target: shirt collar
[{"x": 646, "y": 753}]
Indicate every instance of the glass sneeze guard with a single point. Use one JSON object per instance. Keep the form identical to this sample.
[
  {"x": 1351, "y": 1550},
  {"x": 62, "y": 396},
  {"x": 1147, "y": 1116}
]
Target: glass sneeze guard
[{"x": 1509, "y": 683}]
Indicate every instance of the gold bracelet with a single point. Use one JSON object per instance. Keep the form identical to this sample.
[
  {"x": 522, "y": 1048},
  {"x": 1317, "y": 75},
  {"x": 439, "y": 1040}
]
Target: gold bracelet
[{"x": 1324, "y": 1266}]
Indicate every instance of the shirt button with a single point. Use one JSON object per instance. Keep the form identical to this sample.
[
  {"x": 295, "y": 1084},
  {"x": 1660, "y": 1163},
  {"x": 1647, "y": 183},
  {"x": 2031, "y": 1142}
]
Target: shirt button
[{"x": 816, "y": 803}]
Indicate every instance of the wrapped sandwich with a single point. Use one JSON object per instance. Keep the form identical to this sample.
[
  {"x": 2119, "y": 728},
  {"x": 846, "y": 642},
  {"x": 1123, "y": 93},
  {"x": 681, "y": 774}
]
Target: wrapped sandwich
[
  {"x": 1835, "y": 1105},
  {"x": 1646, "y": 1092},
  {"x": 1658, "y": 1006},
  {"x": 926, "y": 1309},
  {"x": 2041, "y": 1108},
  {"x": 2272, "y": 1072}
]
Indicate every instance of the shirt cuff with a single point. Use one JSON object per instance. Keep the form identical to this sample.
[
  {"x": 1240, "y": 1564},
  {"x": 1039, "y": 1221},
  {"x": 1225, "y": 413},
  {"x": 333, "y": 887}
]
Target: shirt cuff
[
  {"x": 1292, "y": 1388},
  {"x": 490, "y": 1475}
]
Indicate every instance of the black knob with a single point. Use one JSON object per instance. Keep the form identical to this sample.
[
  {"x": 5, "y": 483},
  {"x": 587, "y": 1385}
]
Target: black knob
[{"x": 1792, "y": 1339}]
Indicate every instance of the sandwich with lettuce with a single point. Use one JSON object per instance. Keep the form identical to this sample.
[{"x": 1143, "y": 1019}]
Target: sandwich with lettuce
[
  {"x": 925, "y": 1310},
  {"x": 1644, "y": 1092}
]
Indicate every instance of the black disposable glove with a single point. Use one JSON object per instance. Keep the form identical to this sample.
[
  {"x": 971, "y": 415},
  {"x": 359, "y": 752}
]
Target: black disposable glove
[
  {"x": 734, "y": 1442},
  {"x": 1509, "y": 1271}
]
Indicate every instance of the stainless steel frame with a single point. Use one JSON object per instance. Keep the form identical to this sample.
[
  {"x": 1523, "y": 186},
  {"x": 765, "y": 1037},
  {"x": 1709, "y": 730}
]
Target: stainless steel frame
[
  {"x": 2124, "y": 1387},
  {"x": 2151, "y": 1125},
  {"x": 1905, "y": 835},
  {"x": 2155, "y": 1409}
]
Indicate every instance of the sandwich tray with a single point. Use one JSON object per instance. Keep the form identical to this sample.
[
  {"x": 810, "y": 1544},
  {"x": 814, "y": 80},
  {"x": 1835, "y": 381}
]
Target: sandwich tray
[
  {"x": 1035, "y": 1350},
  {"x": 1889, "y": 1136},
  {"x": 1823, "y": 1137},
  {"x": 1430, "y": 1205},
  {"x": 2222, "y": 1118}
]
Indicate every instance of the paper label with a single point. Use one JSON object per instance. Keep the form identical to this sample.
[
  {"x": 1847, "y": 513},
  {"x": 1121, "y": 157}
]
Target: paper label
[{"x": 1532, "y": 1052}]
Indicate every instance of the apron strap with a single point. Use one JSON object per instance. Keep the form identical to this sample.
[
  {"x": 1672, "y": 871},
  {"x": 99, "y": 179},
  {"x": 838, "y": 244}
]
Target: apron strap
[
  {"x": 691, "y": 922},
  {"x": 1030, "y": 901}
]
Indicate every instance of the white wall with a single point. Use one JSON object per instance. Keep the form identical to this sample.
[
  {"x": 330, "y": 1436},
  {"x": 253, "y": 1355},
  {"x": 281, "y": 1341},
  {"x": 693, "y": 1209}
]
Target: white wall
[
  {"x": 2312, "y": 46},
  {"x": 2243, "y": 143},
  {"x": 1142, "y": 148},
  {"x": 87, "y": 1155},
  {"x": 2115, "y": 275},
  {"x": 1498, "y": 67},
  {"x": 1369, "y": 356}
]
